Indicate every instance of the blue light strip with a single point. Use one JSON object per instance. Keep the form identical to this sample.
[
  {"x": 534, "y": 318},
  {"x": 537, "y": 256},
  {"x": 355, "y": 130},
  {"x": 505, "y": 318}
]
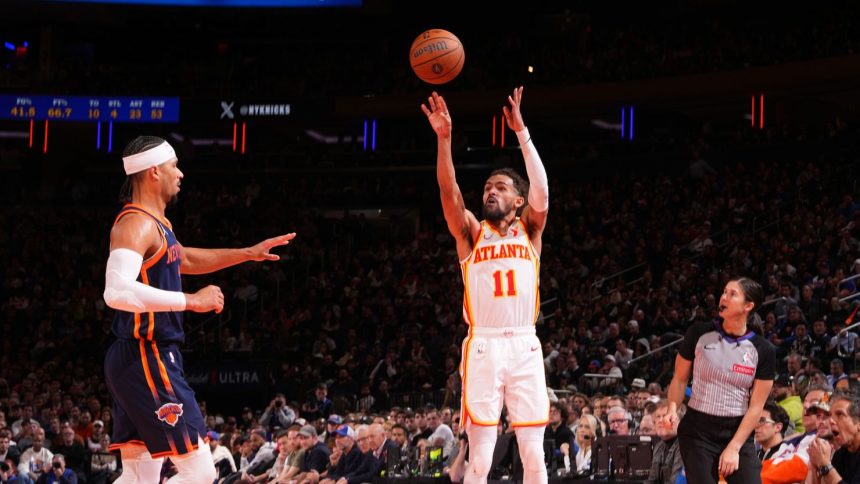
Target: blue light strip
[
  {"x": 9, "y": 46},
  {"x": 622, "y": 121},
  {"x": 365, "y": 135},
  {"x": 110, "y": 136},
  {"x": 373, "y": 137},
  {"x": 98, "y": 135},
  {"x": 631, "y": 123}
]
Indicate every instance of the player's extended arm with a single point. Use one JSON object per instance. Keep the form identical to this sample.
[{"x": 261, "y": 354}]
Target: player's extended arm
[
  {"x": 461, "y": 223},
  {"x": 130, "y": 238},
  {"x": 534, "y": 215},
  {"x": 204, "y": 261}
]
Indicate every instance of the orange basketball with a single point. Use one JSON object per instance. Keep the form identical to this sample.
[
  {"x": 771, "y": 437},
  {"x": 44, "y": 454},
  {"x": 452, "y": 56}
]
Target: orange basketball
[{"x": 437, "y": 56}]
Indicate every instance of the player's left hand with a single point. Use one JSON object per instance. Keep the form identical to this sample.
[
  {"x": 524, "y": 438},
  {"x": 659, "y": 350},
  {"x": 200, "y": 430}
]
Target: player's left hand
[
  {"x": 261, "y": 251},
  {"x": 728, "y": 462},
  {"x": 513, "y": 115}
]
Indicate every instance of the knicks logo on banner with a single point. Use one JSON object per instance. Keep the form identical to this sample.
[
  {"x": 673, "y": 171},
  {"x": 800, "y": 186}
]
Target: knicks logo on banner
[
  {"x": 169, "y": 413},
  {"x": 746, "y": 370}
]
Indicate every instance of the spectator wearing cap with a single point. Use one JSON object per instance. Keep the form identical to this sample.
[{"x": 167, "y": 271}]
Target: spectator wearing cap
[
  {"x": 318, "y": 405},
  {"x": 332, "y": 423},
  {"x": 844, "y": 465},
  {"x": 94, "y": 441},
  {"x": 316, "y": 456},
  {"x": 220, "y": 455},
  {"x": 247, "y": 418},
  {"x": 351, "y": 461},
  {"x": 783, "y": 393},
  {"x": 278, "y": 415}
]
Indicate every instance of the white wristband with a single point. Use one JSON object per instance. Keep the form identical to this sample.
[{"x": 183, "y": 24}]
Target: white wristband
[{"x": 125, "y": 293}]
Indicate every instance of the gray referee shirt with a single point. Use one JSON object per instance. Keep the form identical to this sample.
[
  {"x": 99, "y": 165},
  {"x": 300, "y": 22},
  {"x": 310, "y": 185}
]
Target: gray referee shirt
[{"x": 724, "y": 368}]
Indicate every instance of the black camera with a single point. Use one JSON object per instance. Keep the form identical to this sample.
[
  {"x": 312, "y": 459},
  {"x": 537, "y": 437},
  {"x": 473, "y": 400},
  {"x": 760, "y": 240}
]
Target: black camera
[
  {"x": 4, "y": 467},
  {"x": 279, "y": 403},
  {"x": 56, "y": 465}
]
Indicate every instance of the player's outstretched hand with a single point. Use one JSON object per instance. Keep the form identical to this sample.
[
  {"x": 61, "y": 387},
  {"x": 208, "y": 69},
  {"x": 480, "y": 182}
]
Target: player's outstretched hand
[
  {"x": 438, "y": 115},
  {"x": 261, "y": 251},
  {"x": 207, "y": 299},
  {"x": 513, "y": 115}
]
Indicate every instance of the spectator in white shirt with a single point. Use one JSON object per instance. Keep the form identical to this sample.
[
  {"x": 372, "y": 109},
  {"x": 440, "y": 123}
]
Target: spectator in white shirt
[
  {"x": 36, "y": 460},
  {"x": 442, "y": 435}
]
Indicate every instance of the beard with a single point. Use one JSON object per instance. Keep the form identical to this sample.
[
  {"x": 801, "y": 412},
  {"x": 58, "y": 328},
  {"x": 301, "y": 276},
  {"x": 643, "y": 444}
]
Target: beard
[{"x": 493, "y": 214}]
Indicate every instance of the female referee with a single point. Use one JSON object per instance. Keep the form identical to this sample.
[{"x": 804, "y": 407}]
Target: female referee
[{"x": 733, "y": 368}]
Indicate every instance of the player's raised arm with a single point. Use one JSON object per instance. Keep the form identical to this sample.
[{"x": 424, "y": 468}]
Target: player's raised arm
[
  {"x": 461, "y": 222},
  {"x": 534, "y": 215}
]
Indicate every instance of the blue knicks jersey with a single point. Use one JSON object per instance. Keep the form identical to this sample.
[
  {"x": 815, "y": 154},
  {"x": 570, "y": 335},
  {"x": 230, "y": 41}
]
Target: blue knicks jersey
[{"x": 161, "y": 271}]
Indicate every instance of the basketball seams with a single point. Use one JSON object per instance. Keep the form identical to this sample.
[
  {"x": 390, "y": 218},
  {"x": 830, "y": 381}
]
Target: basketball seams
[{"x": 429, "y": 56}]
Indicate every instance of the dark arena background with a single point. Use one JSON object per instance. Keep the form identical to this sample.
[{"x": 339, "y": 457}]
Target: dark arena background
[{"x": 686, "y": 143}]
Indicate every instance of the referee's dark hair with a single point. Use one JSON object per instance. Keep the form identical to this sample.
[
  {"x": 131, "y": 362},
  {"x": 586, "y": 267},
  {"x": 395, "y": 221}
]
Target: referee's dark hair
[
  {"x": 753, "y": 293},
  {"x": 853, "y": 403},
  {"x": 778, "y": 415}
]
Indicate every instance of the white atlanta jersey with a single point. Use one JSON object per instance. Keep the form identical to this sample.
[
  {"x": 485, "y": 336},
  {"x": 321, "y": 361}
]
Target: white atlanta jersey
[{"x": 501, "y": 279}]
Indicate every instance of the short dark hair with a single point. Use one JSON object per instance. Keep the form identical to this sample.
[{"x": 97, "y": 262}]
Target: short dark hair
[
  {"x": 401, "y": 427},
  {"x": 562, "y": 409},
  {"x": 521, "y": 185},
  {"x": 778, "y": 415},
  {"x": 135, "y": 146}
]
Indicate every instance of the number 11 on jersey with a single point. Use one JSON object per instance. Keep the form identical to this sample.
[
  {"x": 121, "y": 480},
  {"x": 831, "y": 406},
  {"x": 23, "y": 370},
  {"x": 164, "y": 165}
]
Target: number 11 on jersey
[{"x": 511, "y": 280}]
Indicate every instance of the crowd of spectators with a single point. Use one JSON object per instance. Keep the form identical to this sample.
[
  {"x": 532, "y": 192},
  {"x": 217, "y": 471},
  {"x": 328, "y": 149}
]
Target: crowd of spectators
[{"x": 362, "y": 317}]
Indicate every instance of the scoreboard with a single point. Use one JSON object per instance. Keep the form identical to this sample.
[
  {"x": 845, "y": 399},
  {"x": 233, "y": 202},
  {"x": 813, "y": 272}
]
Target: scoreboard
[{"x": 83, "y": 108}]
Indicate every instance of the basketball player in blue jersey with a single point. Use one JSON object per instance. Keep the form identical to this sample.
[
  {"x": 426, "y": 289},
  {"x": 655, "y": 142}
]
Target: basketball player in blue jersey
[
  {"x": 154, "y": 409},
  {"x": 502, "y": 362}
]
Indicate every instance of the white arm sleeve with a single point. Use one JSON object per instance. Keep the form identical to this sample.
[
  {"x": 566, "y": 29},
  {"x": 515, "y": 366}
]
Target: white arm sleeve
[
  {"x": 538, "y": 183},
  {"x": 123, "y": 292}
]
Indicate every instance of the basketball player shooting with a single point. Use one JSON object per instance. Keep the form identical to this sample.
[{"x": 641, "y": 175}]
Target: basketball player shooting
[
  {"x": 502, "y": 362},
  {"x": 154, "y": 409}
]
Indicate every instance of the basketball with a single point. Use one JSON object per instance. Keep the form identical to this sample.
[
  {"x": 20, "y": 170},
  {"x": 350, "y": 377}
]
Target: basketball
[{"x": 437, "y": 56}]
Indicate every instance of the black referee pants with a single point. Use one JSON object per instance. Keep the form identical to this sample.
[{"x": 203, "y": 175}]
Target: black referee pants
[{"x": 703, "y": 438}]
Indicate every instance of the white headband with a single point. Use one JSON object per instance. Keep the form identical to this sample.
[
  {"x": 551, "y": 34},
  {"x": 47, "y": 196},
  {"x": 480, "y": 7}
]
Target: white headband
[{"x": 149, "y": 158}]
